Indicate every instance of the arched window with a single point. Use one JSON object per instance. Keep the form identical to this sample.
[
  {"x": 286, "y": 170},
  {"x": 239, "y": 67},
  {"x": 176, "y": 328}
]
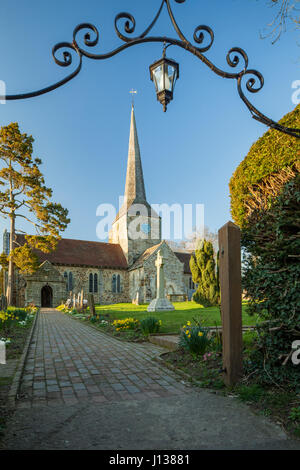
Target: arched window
[
  {"x": 114, "y": 283},
  {"x": 66, "y": 279},
  {"x": 70, "y": 281},
  {"x": 191, "y": 283},
  {"x": 95, "y": 282},
  {"x": 118, "y": 283},
  {"x": 91, "y": 283}
]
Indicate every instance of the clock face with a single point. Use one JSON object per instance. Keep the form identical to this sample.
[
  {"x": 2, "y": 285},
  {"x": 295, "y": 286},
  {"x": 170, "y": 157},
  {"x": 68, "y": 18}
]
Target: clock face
[{"x": 146, "y": 228}]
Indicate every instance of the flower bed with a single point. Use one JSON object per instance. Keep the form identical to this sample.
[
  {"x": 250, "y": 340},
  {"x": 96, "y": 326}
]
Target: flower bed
[{"x": 128, "y": 329}]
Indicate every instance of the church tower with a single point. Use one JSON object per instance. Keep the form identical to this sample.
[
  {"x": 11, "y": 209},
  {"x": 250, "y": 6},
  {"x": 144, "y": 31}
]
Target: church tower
[{"x": 137, "y": 226}]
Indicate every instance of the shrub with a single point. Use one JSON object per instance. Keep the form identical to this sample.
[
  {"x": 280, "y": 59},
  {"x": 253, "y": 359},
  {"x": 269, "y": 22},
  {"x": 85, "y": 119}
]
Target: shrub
[
  {"x": 8, "y": 319},
  {"x": 252, "y": 392},
  {"x": 125, "y": 324},
  {"x": 271, "y": 162},
  {"x": 271, "y": 280},
  {"x": 20, "y": 313},
  {"x": 203, "y": 268},
  {"x": 150, "y": 325},
  {"x": 194, "y": 339}
]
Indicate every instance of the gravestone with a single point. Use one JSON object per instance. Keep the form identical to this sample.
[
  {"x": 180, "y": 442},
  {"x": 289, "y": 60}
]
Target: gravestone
[
  {"x": 136, "y": 300},
  {"x": 161, "y": 303},
  {"x": 91, "y": 304}
]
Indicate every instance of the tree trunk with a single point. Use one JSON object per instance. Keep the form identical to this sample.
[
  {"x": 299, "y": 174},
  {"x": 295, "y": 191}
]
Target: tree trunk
[{"x": 11, "y": 278}]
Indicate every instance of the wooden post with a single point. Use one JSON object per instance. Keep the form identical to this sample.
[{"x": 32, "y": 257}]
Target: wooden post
[
  {"x": 231, "y": 302},
  {"x": 91, "y": 304}
]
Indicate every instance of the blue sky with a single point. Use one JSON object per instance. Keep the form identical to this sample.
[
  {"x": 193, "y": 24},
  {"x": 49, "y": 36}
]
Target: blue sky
[{"x": 81, "y": 130}]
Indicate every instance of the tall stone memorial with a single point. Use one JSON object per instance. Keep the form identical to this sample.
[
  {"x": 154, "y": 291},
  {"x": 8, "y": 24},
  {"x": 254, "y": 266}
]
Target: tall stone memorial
[{"x": 161, "y": 303}]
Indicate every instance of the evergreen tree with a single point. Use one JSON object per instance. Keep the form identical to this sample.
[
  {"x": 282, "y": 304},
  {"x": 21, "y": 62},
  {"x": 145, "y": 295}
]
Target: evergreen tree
[
  {"x": 203, "y": 268},
  {"x": 24, "y": 195}
]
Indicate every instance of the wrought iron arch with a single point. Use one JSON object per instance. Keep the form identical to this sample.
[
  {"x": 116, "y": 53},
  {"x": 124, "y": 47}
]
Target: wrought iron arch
[{"x": 247, "y": 80}]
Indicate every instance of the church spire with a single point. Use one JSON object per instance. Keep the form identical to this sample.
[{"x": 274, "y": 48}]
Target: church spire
[{"x": 134, "y": 187}]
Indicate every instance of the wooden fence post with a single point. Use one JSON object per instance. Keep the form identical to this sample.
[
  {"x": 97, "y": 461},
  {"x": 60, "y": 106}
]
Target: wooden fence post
[{"x": 231, "y": 302}]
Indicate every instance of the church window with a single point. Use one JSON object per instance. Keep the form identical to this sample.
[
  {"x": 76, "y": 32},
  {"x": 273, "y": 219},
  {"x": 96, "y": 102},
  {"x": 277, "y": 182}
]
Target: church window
[
  {"x": 66, "y": 279},
  {"x": 191, "y": 283},
  {"x": 95, "y": 282},
  {"x": 116, "y": 283},
  {"x": 71, "y": 283},
  {"x": 91, "y": 283}
]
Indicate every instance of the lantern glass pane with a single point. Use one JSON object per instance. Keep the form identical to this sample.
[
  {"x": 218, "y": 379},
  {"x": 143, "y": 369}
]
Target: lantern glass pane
[
  {"x": 158, "y": 77},
  {"x": 172, "y": 75}
]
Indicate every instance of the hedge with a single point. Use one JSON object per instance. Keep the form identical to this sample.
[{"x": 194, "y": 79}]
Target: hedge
[{"x": 270, "y": 156}]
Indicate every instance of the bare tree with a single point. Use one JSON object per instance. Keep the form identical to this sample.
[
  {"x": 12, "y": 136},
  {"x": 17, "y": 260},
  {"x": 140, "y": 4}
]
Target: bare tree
[
  {"x": 287, "y": 13},
  {"x": 194, "y": 240}
]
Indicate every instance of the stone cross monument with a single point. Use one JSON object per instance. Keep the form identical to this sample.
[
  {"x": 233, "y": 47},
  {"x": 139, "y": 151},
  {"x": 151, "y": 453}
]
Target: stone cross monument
[{"x": 161, "y": 303}]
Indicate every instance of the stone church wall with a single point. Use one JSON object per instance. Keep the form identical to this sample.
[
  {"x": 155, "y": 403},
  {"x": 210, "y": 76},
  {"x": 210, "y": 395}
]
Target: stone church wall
[
  {"x": 144, "y": 278},
  {"x": 104, "y": 294}
]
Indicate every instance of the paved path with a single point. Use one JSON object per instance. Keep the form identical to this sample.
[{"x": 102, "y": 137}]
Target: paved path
[
  {"x": 82, "y": 389},
  {"x": 69, "y": 361}
]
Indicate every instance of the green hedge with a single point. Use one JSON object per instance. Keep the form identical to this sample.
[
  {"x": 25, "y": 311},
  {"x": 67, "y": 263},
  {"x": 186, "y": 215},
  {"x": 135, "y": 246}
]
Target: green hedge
[{"x": 268, "y": 156}]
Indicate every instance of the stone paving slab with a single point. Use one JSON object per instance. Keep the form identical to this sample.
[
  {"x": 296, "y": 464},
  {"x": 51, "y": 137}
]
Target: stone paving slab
[{"x": 70, "y": 362}]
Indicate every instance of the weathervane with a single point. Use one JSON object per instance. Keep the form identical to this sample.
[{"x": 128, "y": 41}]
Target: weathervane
[
  {"x": 133, "y": 92},
  {"x": 164, "y": 72}
]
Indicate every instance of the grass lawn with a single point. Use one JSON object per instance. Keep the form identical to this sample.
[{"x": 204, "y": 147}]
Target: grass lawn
[{"x": 171, "y": 321}]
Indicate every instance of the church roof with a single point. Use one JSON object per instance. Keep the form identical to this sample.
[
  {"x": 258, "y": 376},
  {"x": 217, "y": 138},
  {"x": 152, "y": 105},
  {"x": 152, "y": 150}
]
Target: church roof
[
  {"x": 134, "y": 186},
  {"x": 184, "y": 258},
  {"x": 71, "y": 252},
  {"x": 135, "y": 192},
  {"x": 139, "y": 262}
]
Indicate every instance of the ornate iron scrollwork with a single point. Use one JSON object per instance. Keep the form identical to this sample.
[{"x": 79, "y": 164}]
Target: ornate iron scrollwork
[{"x": 203, "y": 37}]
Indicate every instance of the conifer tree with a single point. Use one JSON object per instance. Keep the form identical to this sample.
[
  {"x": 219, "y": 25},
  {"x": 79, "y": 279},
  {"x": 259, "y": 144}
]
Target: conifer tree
[
  {"x": 203, "y": 268},
  {"x": 23, "y": 195}
]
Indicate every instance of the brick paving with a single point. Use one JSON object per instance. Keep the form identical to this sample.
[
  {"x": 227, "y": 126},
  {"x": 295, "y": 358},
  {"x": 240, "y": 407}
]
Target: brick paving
[{"x": 69, "y": 362}]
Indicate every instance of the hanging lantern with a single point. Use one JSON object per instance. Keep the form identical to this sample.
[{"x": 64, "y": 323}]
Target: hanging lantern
[{"x": 164, "y": 73}]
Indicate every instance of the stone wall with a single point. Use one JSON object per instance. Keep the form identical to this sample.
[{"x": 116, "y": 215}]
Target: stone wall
[
  {"x": 46, "y": 275},
  {"x": 29, "y": 287},
  {"x": 145, "y": 276},
  {"x": 104, "y": 294},
  {"x": 133, "y": 248}
]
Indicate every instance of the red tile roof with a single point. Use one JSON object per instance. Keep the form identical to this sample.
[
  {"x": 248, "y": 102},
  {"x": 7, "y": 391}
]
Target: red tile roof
[{"x": 83, "y": 253}]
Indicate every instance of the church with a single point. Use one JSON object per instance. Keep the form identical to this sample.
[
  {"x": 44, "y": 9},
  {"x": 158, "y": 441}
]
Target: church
[{"x": 121, "y": 270}]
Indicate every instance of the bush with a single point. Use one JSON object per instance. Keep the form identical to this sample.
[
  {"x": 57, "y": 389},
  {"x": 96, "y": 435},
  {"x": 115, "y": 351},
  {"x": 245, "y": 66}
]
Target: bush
[
  {"x": 203, "y": 268},
  {"x": 252, "y": 392},
  {"x": 20, "y": 313},
  {"x": 271, "y": 162},
  {"x": 150, "y": 325},
  {"x": 194, "y": 339},
  {"x": 126, "y": 324},
  {"x": 271, "y": 280}
]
